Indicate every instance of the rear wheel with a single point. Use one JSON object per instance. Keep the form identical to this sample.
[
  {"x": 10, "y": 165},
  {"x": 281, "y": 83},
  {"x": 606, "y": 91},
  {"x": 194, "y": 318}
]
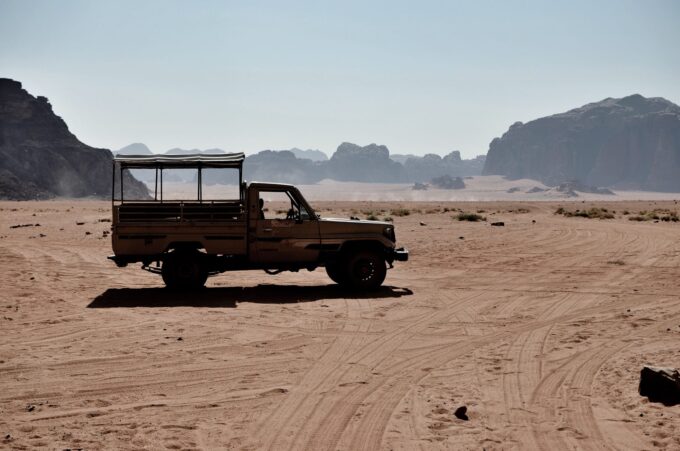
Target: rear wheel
[
  {"x": 337, "y": 273},
  {"x": 184, "y": 270},
  {"x": 366, "y": 270}
]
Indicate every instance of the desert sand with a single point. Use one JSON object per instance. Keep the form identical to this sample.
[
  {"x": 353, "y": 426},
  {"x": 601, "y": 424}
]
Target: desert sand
[{"x": 539, "y": 328}]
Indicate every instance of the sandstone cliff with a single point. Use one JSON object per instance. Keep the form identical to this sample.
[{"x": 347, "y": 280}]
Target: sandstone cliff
[
  {"x": 41, "y": 159},
  {"x": 628, "y": 143}
]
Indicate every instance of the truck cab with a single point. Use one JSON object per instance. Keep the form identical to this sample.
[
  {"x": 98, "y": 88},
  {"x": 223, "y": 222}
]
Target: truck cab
[{"x": 265, "y": 226}]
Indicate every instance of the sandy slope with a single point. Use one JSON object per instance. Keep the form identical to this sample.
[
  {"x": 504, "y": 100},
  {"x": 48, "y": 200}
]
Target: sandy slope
[{"x": 539, "y": 328}]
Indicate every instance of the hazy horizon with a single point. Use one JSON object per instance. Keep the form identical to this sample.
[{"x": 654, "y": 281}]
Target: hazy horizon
[{"x": 262, "y": 75}]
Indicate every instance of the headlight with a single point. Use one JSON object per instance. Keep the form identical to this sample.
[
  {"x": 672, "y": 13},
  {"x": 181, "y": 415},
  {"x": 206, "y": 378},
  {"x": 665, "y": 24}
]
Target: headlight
[{"x": 389, "y": 233}]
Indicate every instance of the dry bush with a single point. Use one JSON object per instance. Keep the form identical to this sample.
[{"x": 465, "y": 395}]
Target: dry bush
[
  {"x": 401, "y": 212},
  {"x": 592, "y": 213},
  {"x": 659, "y": 214},
  {"x": 465, "y": 216}
]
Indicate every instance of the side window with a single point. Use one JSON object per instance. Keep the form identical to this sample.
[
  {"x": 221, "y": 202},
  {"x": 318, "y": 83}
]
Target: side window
[
  {"x": 275, "y": 205},
  {"x": 281, "y": 205}
]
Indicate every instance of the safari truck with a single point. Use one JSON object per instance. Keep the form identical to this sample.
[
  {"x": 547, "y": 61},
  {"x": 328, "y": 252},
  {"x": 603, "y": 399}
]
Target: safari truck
[{"x": 187, "y": 232}]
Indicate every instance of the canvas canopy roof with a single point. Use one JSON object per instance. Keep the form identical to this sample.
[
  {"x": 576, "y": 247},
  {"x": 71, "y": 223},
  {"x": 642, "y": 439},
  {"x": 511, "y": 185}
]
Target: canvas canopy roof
[{"x": 226, "y": 160}]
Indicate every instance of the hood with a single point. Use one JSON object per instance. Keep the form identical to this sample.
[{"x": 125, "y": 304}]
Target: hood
[
  {"x": 352, "y": 228},
  {"x": 355, "y": 221}
]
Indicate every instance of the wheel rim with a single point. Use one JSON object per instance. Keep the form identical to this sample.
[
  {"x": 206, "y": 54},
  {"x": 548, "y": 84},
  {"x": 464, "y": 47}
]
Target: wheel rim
[{"x": 365, "y": 269}]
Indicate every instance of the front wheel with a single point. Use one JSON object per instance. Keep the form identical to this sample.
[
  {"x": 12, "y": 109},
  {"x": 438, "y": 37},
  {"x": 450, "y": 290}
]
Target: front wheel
[
  {"x": 366, "y": 270},
  {"x": 184, "y": 270}
]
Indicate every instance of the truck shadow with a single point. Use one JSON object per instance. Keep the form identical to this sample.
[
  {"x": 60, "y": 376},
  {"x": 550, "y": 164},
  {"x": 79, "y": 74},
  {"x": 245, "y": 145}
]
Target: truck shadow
[{"x": 229, "y": 297}]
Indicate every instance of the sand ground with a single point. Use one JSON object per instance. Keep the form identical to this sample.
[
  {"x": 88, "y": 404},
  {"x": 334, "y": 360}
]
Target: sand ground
[{"x": 539, "y": 328}]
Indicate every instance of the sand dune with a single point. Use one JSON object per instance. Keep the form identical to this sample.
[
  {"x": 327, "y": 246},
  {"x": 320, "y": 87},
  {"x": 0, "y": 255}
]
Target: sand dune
[{"x": 539, "y": 328}]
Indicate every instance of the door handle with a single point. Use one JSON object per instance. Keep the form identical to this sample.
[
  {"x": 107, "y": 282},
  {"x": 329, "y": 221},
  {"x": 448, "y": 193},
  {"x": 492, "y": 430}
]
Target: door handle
[{"x": 267, "y": 230}]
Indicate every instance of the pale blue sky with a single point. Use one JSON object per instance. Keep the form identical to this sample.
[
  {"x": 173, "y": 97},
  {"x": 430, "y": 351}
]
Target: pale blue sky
[{"x": 419, "y": 77}]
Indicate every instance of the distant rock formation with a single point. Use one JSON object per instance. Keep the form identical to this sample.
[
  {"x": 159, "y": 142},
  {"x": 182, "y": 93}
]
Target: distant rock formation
[
  {"x": 401, "y": 158},
  {"x": 133, "y": 149},
  {"x": 420, "y": 169},
  {"x": 448, "y": 182},
  {"x": 536, "y": 189},
  {"x": 283, "y": 166},
  {"x": 178, "y": 151},
  {"x": 370, "y": 163},
  {"x": 41, "y": 159},
  {"x": 353, "y": 163},
  {"x": 350, "y": 162},
  {"x": 627, "y": 143},
  {"x": 309, "y": 154},
  {"x": 280, "y": 166},
  {"x": 575, "y": 185}
]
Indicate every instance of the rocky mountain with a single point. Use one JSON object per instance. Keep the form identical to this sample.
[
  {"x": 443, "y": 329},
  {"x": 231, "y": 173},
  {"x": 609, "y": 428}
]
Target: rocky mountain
[
  {"x": 627, "y": 143},
  {"x": 40, "y": 158}
]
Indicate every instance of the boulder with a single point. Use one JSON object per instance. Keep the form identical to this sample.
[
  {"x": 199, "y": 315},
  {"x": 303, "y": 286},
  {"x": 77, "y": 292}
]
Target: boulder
[{"x": 660, "y": 385}]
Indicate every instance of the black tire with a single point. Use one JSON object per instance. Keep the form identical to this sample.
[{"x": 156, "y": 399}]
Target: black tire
[
  {"x": 336, "y": 271},
  {"x": 366, "y": 270},
  {"x": 184, "y": 270}
]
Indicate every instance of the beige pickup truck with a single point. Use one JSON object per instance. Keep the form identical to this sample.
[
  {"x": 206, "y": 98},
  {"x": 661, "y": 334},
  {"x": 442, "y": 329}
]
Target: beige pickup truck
[{"x": 188, "y": 240}]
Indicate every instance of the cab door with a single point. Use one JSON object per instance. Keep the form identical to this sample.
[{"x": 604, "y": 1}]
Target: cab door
[{"x": 284, "y": 232}]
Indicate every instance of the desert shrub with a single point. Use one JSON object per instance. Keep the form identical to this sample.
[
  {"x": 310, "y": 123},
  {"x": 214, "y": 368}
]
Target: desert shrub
[
  {"x": 659, "y": 214},
  {"x": 372, "y": 217},
  {"x": 388, "y": 219},
  {"x": 401, "y": 212},
  {"x": 464, "y": 216},
  {"x": 593, "y": 213},
  {"x": 616, "y": 262}
]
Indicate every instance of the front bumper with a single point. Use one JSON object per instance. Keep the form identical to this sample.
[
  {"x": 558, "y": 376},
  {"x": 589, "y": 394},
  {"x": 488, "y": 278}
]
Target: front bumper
[{"x": 400, "y": 255}]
